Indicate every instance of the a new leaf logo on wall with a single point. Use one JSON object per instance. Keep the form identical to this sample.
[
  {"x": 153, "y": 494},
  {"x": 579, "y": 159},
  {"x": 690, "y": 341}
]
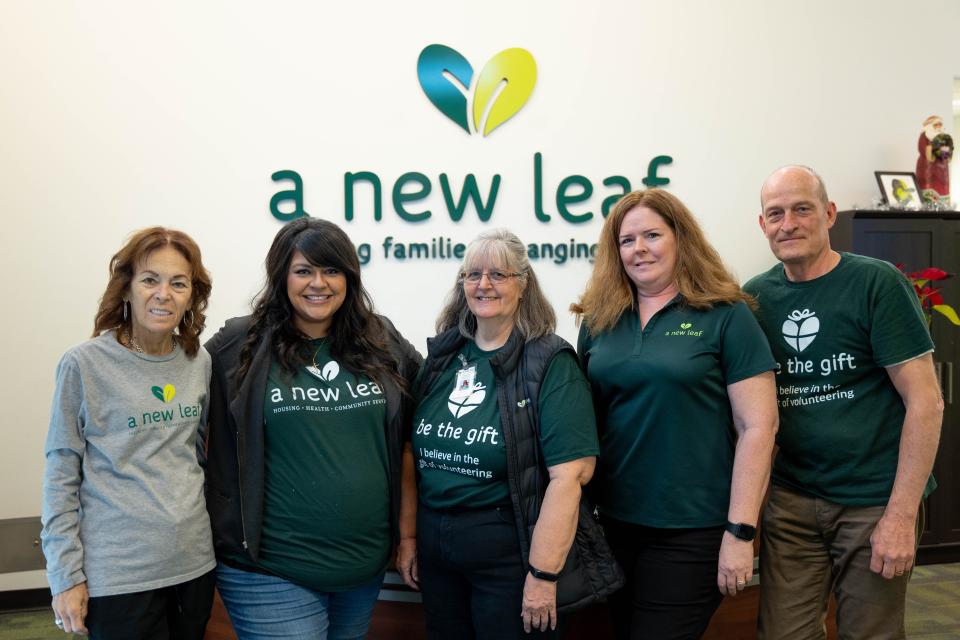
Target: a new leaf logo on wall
[
  {"x": 501, "y": 89},
  {"x": 478, "y": 103}
]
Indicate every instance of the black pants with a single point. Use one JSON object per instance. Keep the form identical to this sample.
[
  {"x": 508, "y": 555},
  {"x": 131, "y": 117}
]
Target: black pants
[
  {"x": 471, "y": 574},
  {"x": 671, "y": 591},
  {"x": 174, "y": 613}
]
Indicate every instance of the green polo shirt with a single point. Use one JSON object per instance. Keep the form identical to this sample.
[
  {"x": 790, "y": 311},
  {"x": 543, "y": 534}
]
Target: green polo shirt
[
  {"x": 666, "y": 427},
  {"x": 833, "y": 337},
  {"x": 326, "y": 512},
  {"x": 457, "y": 438}
]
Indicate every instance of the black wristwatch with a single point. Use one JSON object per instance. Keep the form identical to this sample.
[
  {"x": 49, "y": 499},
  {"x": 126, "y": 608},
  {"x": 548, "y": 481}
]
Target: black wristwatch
[
  {"x": 741, "y": 531},
  {"x": 543, "y": 575}
]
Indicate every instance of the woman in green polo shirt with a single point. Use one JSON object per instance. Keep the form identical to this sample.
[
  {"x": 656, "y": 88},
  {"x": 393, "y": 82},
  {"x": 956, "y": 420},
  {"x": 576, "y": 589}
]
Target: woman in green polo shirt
[
  {"x": 504, "y": 417},
  {"x": 683, "y": 385}
]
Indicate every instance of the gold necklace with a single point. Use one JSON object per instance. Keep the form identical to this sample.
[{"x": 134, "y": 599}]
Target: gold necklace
[
  {"x": 136, "y": 345},
  {"x": 132, "y": 342},
  {"x": 323, "y": 342}
]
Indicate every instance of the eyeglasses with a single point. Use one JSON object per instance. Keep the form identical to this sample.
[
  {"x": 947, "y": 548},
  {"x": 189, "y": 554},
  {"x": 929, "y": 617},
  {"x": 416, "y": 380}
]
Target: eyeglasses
[{"x": 496, "y": 277}]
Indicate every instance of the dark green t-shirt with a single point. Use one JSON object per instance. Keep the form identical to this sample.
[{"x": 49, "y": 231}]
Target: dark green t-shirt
[
  {"x": 457, "y": 436},
  {"x": 666, "y": 427},
  {"x": 840, "y": 415},
  {"x": 326, "y": 512}
]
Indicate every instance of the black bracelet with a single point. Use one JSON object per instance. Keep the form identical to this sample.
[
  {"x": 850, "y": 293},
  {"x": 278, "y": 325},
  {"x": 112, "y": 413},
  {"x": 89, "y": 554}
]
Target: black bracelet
[{"x": 543, "y": 575}]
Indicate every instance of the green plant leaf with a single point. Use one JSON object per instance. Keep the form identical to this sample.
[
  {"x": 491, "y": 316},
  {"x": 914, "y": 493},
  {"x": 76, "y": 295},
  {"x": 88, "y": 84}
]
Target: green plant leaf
[{"x": 948, "y": 311}]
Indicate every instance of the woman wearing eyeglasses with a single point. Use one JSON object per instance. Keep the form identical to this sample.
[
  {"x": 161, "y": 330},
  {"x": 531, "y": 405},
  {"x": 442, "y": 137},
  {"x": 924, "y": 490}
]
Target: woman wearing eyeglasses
[{"x": 503, "y": 410}]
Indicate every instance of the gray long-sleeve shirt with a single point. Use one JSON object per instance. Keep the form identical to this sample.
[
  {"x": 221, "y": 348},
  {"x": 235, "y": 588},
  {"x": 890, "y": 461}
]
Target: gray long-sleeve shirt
[{"x": 123, "y": 505}]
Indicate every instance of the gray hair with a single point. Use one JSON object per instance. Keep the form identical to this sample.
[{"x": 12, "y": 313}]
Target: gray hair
[{"x": 502, "y": 249}]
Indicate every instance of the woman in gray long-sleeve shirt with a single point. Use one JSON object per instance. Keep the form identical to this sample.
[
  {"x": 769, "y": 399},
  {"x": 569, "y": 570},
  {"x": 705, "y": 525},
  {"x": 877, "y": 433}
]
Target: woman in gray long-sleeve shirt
[{"x": 125, "y": 530}]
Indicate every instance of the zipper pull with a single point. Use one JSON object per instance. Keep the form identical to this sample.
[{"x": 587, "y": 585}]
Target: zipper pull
[{"x": 523, "y": 403}]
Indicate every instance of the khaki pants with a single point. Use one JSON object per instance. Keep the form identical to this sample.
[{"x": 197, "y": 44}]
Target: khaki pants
[{"x": 810, "y": 547}]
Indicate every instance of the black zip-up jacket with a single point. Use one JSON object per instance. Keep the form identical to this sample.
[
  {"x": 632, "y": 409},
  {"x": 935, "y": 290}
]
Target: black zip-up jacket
[{"x": 235, "y": 445}]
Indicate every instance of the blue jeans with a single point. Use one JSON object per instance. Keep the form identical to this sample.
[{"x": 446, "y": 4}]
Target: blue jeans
[{"x": 265, "y": 606}]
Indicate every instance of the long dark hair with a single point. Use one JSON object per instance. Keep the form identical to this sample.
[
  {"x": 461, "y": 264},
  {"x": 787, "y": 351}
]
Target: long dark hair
[
  {"x": 125, "y": 262},
  {"x": 357, "y": 337}
]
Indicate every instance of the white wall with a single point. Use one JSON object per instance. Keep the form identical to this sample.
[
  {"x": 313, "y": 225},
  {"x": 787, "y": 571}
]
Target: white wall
[{"x": 114, "y": 116}]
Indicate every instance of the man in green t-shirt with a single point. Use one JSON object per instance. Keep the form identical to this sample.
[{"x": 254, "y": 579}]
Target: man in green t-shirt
[{"x": 860, "y": 415}]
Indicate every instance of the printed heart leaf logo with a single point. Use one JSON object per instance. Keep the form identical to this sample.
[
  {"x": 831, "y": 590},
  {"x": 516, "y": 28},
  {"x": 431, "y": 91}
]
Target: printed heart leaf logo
[
  {"x": 164, "y": 393},
  {"x": 800, "y": 328},
  {"x": 462, "y": 406},
  {"x": 686, "y": 325},
  {"x": 502, "y": 88},
  {"x": 330, "y": 371}
]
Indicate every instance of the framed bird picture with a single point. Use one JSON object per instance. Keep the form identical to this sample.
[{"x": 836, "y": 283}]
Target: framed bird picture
[{"x": 899, "y": 189}]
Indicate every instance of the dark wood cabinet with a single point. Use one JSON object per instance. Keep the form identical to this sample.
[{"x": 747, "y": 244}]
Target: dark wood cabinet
[{"x": 919, "y": 240}]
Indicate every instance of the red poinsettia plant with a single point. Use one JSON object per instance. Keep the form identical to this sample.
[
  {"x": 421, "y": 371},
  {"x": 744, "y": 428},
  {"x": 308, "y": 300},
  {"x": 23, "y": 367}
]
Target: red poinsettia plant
[{"x": 929, "y": 295}]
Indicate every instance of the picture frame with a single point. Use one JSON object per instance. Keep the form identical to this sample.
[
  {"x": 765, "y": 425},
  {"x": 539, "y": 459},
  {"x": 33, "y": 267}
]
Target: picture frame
[{"x": 899, "y": 189}]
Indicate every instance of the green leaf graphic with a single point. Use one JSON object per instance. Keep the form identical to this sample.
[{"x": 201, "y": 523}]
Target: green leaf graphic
[
  {"x": 157, "y": 392},
  {"x": 518, "y": 69}
]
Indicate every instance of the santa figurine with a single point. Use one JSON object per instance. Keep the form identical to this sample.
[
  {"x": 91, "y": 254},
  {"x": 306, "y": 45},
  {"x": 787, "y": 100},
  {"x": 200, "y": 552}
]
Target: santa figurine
[{"x": 933, "y": 164}]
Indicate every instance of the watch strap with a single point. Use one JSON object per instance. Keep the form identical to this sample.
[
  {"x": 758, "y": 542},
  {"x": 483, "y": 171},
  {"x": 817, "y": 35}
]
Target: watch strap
[
  {"x": 741, "y": 531},
  {"x": 543, "y": 575}
]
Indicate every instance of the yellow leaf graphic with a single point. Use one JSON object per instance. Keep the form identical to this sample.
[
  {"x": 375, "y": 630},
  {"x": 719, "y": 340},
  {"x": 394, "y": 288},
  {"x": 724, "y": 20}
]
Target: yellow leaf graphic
[
  {"x": 516, "y": 68},
  {"x": 168, "y": 392}
]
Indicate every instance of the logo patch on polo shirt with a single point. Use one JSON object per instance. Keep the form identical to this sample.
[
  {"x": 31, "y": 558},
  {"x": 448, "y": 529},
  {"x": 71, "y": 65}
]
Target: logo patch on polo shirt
[
  {"x": 686, "y": 329},
  {"x": 800, "y": 329}
]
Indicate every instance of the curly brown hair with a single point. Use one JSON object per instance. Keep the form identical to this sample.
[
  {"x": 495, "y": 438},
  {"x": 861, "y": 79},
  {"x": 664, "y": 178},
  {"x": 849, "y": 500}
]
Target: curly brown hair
[
  {"x": 700, "y": 274},
  {"x": 122, "y": 267}
]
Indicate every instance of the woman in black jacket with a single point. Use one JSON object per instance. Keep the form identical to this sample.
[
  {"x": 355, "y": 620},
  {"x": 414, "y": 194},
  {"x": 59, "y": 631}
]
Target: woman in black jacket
[
  {"x": 308, "y": 398},
  {"x": 504, "y": 419}
]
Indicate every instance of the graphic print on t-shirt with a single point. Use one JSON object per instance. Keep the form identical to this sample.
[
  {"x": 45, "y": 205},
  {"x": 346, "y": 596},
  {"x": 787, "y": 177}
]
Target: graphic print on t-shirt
[
  {"x": 800, "y": 329},
  {"x": 328, "y": 373},
  {"x": 150, "y": 416},
  {"x": 330, "y": 394},
  {"x": 468, "y": 393},
  {"x": 457, "y": 438},
  {"x": 813, "y": 381}
]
